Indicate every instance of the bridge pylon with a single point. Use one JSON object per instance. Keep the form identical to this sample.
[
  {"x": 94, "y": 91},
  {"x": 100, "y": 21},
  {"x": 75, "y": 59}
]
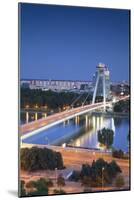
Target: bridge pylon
[{"x": 100, "y": 83}]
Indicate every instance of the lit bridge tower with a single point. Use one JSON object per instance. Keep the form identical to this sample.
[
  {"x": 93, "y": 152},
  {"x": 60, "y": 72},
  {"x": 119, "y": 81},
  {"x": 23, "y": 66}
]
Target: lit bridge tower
[{"x": 101, "y": 83}]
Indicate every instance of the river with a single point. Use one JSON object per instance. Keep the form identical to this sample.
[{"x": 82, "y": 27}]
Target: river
[{"x": 82, "y": 132}]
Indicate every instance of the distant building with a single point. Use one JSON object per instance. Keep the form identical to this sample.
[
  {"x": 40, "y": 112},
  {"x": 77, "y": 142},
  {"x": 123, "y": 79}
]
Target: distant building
[
  {"x": 56, "y": 85},
  {"x": 25, "y": 85},
  {"x": 102, "y": 70},
  {"x": 122, "y": 88}
]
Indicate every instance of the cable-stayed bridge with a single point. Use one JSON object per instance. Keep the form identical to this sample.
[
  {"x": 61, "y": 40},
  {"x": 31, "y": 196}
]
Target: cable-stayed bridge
[
  {"x": 39, "y": 125},
  {"x": 102, "y": 77}
]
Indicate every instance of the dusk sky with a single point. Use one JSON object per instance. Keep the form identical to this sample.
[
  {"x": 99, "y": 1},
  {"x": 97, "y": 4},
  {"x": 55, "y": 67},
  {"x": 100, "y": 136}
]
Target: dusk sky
[{"x": 59, "y": 42}]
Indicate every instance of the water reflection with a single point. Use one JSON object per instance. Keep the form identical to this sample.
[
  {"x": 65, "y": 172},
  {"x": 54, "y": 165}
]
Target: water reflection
[
  {"x": 82, "y": 131},
  {"x": 88, "y": 137}
]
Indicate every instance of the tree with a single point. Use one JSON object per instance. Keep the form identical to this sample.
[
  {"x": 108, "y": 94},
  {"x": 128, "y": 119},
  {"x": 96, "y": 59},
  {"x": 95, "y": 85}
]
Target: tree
[
  {"x": 86, "y": 181},
  {"x": 35, "y": 158},
  {"x": 60, "y": 181},
  {"x": 52, "y": 99},
  {"x": 113, "y": 169},
  {"x": 92, "y": 175},
  {"x": 105, "y": 136},
  {"x": 59, "y": 160},
  {"x": 86, "y": 170},
  {"x": 122, "y": 106},
  {"x": 49, "y": 183},
  {"x": 30, "y": 184},
  {"x": 119, "y": 182},
  {"x": 118, "y": 154},
  {"x": 59, "y": 191},
  {"x": 40, "y": 188},
  {"x": 22, "y": 189}
]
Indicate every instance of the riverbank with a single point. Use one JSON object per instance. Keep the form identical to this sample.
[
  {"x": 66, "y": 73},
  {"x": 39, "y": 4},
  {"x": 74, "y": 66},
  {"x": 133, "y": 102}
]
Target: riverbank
[
  {"x": 73, "y": 160},
  {"x": 112, "y": 114}
]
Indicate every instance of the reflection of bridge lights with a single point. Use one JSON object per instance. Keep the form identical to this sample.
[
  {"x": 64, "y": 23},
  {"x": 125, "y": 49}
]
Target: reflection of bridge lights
[
  {"x": 94, "y": 122},
  {"x": 64, "y": 123},
  {"x": 89, "y": 122},
  {"x": 68, "y": 121},
  {"x": 86, "y": 124},
  {"x": 101, "y": 122},
  {"x": 77, "y": 119},
  {"x": 97, "y": 127},
  {"x": 112, "y": 125}
]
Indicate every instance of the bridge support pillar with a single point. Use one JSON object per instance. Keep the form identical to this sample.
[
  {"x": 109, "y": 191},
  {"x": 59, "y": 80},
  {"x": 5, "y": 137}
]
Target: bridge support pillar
[
  {"x": 27, "y": 117},
  {"x": 100, "y": 80},
  {"x": 36, "y": 116},
  {"x": 45, "y": 115},
  {"x": 104, "y": 92},
  {"x": 95, "y": 89}
]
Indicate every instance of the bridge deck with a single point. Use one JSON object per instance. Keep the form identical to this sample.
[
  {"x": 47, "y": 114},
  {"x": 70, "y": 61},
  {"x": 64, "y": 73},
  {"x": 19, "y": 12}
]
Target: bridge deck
[
  {"x": 26, "y": 128},
  {"x": 44, "y": 123}
]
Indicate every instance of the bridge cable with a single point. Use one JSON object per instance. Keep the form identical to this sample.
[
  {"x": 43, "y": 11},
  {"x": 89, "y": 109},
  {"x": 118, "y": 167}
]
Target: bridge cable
[
  {"x": 76, "y": 99},
  {"x": 85, "y": 99}
]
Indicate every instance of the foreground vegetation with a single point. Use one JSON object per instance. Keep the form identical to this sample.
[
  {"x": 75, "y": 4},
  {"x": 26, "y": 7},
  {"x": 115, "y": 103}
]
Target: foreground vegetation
[
  {"x": 34, "y": 188},
  {"x": 100, "y": 172},
  {"x": 122, "y": 106},
  {"x": 40, "y": 187},
  {"x": 106, "y": 137},
  {"x": 35, "y": 158}
]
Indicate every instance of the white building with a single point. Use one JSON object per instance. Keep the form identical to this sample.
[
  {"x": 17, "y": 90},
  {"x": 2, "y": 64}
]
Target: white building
[{"x": 55, "y": 85}]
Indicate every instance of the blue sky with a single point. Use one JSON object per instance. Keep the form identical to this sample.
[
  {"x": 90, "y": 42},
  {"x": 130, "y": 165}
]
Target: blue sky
[{"x": 61, "y": 42}]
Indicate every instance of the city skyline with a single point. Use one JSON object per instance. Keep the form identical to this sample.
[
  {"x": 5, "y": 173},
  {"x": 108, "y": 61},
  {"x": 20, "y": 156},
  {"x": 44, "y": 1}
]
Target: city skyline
[{"x": 62, "y": 42}]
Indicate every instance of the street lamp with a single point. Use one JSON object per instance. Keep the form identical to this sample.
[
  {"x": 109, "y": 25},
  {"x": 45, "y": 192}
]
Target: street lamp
[{"x": 102, "y": 177}]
